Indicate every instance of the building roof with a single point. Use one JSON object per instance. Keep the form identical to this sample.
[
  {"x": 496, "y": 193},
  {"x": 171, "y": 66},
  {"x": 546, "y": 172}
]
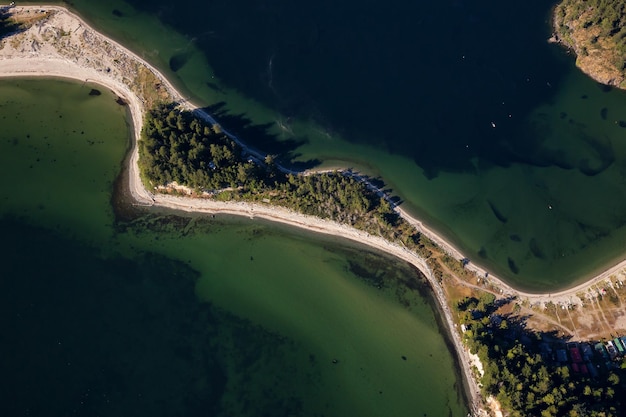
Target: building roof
[
  {"x": 583, "y": 369},
  {"x": 586, "y": 349},
  {"x": 561, "y": 355},
  {"x": 575, "y": 354}
]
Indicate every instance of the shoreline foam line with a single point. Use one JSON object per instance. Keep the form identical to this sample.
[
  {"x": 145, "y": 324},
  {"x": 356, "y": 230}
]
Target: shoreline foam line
[{"x": 68, "y": 55}]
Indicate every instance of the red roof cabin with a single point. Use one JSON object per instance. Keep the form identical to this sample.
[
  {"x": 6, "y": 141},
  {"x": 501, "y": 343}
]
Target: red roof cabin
[{"x": 575, "y": 354}]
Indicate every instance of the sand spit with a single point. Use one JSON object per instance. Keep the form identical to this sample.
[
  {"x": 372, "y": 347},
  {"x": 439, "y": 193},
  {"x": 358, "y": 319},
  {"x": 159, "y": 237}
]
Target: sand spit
[{"x": 60, "y": 44}]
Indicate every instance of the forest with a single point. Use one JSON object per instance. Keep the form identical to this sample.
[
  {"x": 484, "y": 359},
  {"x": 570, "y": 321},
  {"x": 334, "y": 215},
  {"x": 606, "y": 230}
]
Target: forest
[
  {"x": 523, "y": 373},
  {"x": 177, "y": 146},
  {"x": 605, "y": 15},
  {"x": 594, "y": 27}
]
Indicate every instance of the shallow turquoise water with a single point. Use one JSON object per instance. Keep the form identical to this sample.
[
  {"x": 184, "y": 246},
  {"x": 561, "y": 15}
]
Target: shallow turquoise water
[{"x": 157, "y": 314}]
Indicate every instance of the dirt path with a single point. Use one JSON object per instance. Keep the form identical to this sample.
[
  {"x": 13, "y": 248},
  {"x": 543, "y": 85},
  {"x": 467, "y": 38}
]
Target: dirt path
[{"x": 574, "y": 328}]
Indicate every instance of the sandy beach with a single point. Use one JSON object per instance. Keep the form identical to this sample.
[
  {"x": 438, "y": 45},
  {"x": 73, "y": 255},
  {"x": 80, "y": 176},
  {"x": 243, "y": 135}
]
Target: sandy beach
[
  {"x": 32, "y": 53},
  {"x": 62, "y": 45}
]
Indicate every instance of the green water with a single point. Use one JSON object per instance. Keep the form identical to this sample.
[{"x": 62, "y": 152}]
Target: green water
[
  {"x": 422, "y": 123},
  {"x": 157, "y": 314},
  {"x": 70, "y": 126}
]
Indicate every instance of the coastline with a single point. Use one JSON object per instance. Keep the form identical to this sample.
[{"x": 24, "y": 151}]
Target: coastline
[
  {"x": 47, "y": 60},
  {"x": 51, "y": 63}
]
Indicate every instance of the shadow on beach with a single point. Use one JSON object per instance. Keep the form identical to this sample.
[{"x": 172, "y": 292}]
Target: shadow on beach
[{"x": 7, "y": 25}]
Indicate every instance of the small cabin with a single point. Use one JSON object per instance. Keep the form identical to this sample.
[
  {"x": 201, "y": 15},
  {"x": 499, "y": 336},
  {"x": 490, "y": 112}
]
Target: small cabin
[
  {"x": 599, "y": 347},
  {"x": 575, "y": 355}
]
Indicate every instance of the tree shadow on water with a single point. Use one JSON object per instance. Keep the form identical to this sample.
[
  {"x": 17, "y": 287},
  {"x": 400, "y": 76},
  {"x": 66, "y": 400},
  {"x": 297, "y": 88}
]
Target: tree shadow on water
[
  {"x": 259, "y": 137},
  {"x": 289, "y": 161}
]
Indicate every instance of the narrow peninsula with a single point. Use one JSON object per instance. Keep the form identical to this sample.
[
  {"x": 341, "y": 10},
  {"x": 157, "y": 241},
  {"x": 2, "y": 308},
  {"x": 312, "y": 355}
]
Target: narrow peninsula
[{"x": 522, "y": 354}]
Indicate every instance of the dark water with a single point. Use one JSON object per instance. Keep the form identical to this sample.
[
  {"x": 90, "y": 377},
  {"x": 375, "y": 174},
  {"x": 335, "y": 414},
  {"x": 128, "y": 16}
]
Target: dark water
[
  {"x": 434, "y": 74},
  {"x": 109, "y": 311},
  {"x": 88, "y": 336},
  {"x": 484, "y": 130}
]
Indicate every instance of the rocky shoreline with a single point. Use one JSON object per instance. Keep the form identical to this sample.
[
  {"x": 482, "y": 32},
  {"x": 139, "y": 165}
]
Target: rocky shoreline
[{"x": 596, "y": 53}]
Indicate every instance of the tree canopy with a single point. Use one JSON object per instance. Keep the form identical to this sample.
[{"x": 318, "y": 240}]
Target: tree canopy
[
  {"x": 178, "y": 147},
  {"x": 521, "y": 372},
  {"x": 596, "y": 31}
]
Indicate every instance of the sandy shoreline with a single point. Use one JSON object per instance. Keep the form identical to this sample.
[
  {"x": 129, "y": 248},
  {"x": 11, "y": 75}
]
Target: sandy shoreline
[
  {"x": 41, "y": 51},
  {"x": 48, "y": 60}
]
